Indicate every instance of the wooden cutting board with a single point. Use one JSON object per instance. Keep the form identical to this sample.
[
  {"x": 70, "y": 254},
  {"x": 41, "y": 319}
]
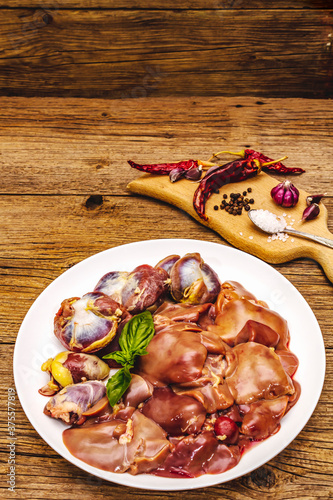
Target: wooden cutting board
[{"x": 239, "y": 230}]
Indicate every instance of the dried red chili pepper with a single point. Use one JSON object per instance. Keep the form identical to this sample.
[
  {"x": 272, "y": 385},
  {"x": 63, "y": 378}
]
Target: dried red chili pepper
[
  {"x": 164, "y": 168},
  {"x": 218, "y": 176},
  {"x": 190, "y": 169},
  {"x": 277, "y": 168}
]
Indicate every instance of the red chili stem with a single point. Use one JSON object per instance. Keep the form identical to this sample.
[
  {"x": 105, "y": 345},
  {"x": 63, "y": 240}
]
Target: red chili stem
[
  {"x": 216, "y": 177},
  {"x": 277, "y": 168},
  {"x": 164, "y": 168}
]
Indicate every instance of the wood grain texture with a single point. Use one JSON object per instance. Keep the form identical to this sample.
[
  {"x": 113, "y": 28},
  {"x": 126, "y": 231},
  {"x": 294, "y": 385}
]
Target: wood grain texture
[
  {"x": 54, "y": 5},
  {"x": 64, "y": 198},
  {"x": 83, "y": 147},
  {"x": 121, "y": 52}
]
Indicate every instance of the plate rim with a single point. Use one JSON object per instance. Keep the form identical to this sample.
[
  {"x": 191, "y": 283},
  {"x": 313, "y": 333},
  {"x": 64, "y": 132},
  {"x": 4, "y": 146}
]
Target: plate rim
[{"x": 177, "y": 484}]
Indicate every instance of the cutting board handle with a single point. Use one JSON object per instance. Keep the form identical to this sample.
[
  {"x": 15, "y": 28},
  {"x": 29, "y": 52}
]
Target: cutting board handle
[{"x": 324, "y": 256}]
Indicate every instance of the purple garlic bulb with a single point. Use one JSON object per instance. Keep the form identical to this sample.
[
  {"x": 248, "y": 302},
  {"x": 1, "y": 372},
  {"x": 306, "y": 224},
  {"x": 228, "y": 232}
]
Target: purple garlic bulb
[{"x": 285, "y": 194}]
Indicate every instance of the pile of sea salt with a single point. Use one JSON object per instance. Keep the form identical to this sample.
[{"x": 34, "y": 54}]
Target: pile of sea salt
[{"x": 270, "y": 223}]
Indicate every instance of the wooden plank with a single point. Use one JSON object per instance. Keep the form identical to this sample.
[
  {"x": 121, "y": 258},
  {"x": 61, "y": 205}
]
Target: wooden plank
[
  {"x": 49, "y": 148},
  {"x": 136, "y": 53},
  {"x": 54, "y": 5}
]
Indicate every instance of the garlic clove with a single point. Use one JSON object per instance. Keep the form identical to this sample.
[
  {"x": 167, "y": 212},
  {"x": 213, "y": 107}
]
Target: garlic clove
[
  {"x": 311, "y": 212},
  {"x": 315, "y": 198},
  {"x": 194, "y": 174},
  {"x": 176, "y": 174}
]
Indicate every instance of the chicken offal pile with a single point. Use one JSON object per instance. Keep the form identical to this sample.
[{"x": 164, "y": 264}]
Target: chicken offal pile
[{"x": 204, "y": 371}]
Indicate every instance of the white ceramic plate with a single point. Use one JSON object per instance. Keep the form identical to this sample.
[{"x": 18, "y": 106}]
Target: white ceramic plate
[{"x": 36, "y": 343}]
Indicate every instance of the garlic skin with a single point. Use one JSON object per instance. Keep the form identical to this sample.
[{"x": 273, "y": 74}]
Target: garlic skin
[
  {"x": 193, "y": 174},
  {"x": 285, "y": 194},
  {"x": 176, "y": 174}
]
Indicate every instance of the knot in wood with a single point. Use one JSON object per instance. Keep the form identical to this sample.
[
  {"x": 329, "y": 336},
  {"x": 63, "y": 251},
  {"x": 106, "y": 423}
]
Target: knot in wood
[
  {"x": 263, "y": 478},
  {"x": 94, "y": 201},
  {"x": 41, "y": 18}
]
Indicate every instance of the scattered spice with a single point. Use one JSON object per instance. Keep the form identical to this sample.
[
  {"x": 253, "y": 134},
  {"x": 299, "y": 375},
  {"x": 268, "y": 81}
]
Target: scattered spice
[
  {"x": 278, "y": 236},
  {"x": 236, "y": 202}
]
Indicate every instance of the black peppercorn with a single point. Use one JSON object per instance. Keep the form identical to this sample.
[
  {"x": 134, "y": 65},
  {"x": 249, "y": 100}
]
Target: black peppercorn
[{"x": 235, "y": 202}]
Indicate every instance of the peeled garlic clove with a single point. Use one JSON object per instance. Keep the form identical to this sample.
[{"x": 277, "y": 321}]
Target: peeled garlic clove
[
  {"x": 311, "y": 212},
  {"x": 193, "y": 281}
]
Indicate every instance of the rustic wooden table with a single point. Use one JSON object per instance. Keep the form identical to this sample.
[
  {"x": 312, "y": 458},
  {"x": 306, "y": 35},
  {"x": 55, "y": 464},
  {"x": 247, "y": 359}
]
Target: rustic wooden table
[{"x": 63, "y": 198}]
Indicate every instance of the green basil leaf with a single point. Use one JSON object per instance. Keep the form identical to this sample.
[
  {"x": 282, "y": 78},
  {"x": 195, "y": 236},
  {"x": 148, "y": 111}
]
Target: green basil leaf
[
  {"x": 118, "y": 356},
  {"x": 136, "y": 335},
  {"x": 117, "y": 385},
  {"x": 134, "y": 338}
]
